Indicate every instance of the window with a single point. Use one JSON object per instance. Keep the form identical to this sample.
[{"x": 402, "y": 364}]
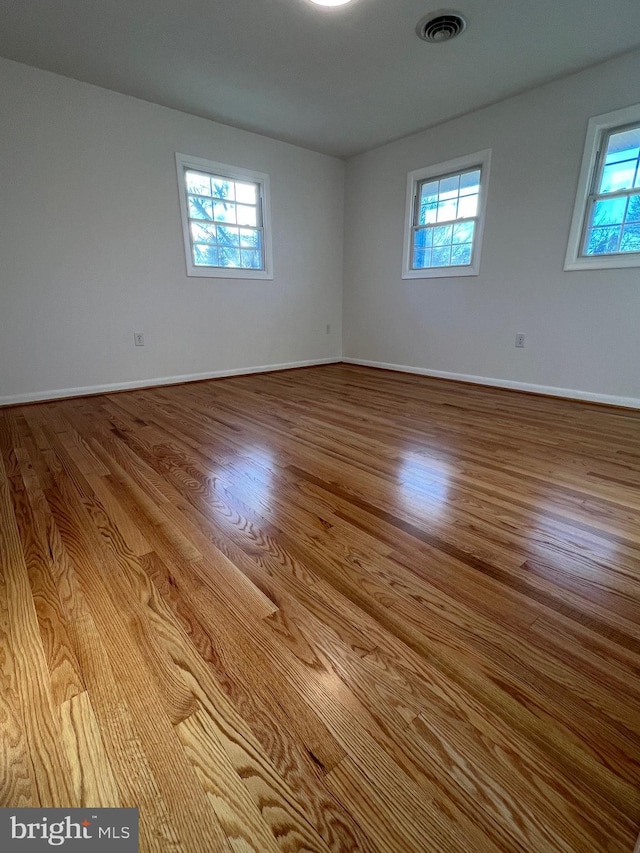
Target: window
[
  {"x": 605, "y": 230},
  {"x": 445, "y": 217},
  {"x": 225, "y": 219}
]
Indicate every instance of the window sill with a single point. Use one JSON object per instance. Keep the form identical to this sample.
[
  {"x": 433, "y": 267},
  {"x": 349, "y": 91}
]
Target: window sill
[
  {"x": 229, "y": 273},
  {"x": 441, "y": 272},
  {"x": 611, "y": 262}
]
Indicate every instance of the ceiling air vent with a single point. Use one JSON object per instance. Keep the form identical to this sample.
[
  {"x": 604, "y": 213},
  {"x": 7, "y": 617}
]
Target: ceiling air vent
[{"x": 439, "y": 26}]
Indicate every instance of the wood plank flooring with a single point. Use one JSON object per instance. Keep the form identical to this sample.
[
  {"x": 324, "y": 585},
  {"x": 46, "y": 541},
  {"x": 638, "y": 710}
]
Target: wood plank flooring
[{"x": 329, "y": 609}]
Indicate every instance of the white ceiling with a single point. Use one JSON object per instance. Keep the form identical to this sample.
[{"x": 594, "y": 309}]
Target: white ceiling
[{"x": 338, "y": 80}]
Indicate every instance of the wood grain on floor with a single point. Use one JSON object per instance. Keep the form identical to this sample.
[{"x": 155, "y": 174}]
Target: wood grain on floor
[{"x": 329, "y": 609}]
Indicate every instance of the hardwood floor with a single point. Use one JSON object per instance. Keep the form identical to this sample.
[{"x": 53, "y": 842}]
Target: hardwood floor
[{"x": 331, "y": 609}]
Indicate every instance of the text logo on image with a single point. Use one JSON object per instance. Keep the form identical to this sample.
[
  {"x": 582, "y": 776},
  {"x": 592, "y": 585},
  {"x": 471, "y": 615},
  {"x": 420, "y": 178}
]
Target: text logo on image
[{"x": 86, "y": 830}]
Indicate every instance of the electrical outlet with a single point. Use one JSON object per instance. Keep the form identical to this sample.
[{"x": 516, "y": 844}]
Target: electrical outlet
[
  {"x": 138, "y": 339},
  {"x": 328, "y": 328},
  {"x": 519, "y": 340}
]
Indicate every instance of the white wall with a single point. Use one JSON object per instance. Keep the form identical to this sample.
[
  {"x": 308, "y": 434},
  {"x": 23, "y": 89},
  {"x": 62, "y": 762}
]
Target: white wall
[
  {"x": 91, "y": 249},
  {"x": 91, "y": 245},
  {"x": 582, "y": 328}
]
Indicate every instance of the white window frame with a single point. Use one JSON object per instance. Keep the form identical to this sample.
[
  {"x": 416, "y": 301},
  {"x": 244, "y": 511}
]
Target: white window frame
[
  {"x": 597, "y": 131},
  {"x": 480, "y": 160},
  {"x": 237, "y": 173}
]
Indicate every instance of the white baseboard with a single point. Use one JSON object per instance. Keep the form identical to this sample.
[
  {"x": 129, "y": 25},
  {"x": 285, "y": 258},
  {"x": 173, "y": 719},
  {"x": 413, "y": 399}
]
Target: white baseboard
[
  {"x": 550, "y": 390},
  {"x": 547, "y": 390},
  {"x": 58, "y": 393}
]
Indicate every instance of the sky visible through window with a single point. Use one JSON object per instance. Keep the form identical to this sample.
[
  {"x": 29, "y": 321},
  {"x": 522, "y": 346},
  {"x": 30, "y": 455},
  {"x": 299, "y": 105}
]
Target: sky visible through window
[
  {"x": 614, "y": 222},
  {"x": 224, "y": 222}
]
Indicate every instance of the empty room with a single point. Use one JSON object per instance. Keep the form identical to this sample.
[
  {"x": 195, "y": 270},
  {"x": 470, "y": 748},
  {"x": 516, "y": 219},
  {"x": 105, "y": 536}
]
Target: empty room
[{"x": 320, "y": 426}]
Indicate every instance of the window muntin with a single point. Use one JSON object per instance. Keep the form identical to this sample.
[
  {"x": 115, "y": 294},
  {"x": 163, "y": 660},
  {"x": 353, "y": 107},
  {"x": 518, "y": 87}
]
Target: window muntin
[
  {"x": 225, "y": 219},
  {"x": 612, "y": 223},
  {"x": 444, "y": 218}
]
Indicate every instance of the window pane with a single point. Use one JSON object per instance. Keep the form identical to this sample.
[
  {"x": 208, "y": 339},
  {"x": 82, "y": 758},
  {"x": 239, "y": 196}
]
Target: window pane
[
  {"x": 198, "y": 183},
  {"x": 461, "y": 255},
  {"x": 205, "y": 256},
  {"x": 450, "y": 198},
  {"x": 422, "y": 259},
  {"x": 447, "y": 210},
  {"x": 422, "y": 238},
  {"x": 200, "y": 208},
  {"x": 630, "y": 239},
  {"x": 621, "y": 161},
  {"x": 463, "y": 233},
  {"x": 429, "y": 193},
  {"x": 468, "y": 206},
  {"x": 623, "y": 146},
  {"x": 224, "y": 212},
  {"x": 229, "y": 257},
  {"x": 222, "y": 188},
  {"x": 249, "y": 238},
  {"x": 449, "y": 187},
  {"x": 428, "y": 214},
  {"x": 428, "y": 207},
  {"x": 609, "y": 212},
  {"x": 246, "y": 215},
  {"x": 470, "y": 183},
  {"x": 246, "y": 193},
  {"x": 603, "y": 241},
  {"x": 441, "y": 256},
  {"x": 228, "y": 236},
  {"x": 618, "y": 176},
  {"x": 250, "y": 259},
  {"x": 204, "y": 233},
  {"x": 633, "y": 209},
  {"x": 442, "y": 235}
]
